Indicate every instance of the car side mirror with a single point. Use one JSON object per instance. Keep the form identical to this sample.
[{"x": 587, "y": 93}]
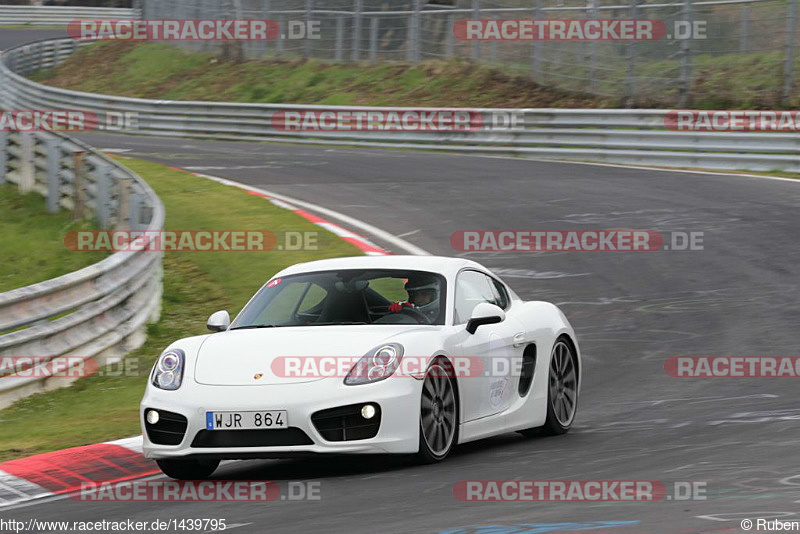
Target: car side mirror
[
  {"x": 485, "y": 313},
  {"x": 219, "y": 321}
]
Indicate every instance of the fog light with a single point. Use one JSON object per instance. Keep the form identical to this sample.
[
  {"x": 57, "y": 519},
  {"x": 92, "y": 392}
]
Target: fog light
[
  {"x": 152, "y": 417},
  {"x": 368, "y": 411}
]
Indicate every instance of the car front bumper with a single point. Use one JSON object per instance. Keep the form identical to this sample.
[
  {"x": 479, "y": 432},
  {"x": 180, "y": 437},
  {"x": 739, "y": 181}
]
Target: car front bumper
[{"x": 398, "y": 398}]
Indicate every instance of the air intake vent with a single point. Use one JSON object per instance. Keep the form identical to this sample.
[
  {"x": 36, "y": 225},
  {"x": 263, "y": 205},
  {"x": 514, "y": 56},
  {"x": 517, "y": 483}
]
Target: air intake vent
[
  {"x": 346, "y": 423},
  {"x": 528, "y": 368},
  {"x": 169, "y": 429},
  {"x": 283, "y": 437}
]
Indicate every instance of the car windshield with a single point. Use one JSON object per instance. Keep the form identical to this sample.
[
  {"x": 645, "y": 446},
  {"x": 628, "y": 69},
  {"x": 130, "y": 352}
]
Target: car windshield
[{"x": 347, "y": 297}]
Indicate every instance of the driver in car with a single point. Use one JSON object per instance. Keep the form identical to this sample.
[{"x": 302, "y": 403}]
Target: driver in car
[{"x": 423, "y": 297}]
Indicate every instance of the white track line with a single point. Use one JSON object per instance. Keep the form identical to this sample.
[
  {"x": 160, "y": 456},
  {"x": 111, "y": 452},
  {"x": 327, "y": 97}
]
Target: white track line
[
  {"x": 392, "y": 239},
  {"x": 644, "y": 168}
]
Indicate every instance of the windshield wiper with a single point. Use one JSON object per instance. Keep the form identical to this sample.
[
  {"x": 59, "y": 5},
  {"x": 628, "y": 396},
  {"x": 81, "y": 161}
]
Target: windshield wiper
[
  {"x": 338, "y": 323},
  {"x": 255, "y": 326}
]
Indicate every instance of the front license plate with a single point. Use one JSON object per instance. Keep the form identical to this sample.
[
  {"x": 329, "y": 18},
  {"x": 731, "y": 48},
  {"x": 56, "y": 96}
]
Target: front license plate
[{"x": 263, "y": 420}]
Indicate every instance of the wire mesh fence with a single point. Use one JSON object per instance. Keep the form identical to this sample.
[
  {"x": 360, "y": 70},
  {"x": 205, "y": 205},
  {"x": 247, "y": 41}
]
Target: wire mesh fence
[{"x": 743, "y": 49}]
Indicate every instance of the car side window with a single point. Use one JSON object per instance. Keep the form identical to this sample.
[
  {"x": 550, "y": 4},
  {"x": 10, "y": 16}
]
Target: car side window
[
  {"x": 500, "y": 293},
  {"x": 472, "y": 288},
  {"x": 283, "y": 305},
  {"x": 313, "y": 298}
]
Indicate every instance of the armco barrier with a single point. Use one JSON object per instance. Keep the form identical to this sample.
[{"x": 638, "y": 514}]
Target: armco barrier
[
  {"x": 60, "y": 15},
  {"x": 607, "y": 135},
  {"x": 98, "y": 312}
]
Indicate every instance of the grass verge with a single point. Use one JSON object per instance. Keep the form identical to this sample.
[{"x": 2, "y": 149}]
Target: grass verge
[
  {"x": 101, "y": 408},
  {"x": 32, "y": 240},
  {"x": 149, "y": 70}
]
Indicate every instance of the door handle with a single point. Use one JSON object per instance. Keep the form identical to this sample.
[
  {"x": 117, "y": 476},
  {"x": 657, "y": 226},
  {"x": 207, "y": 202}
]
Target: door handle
[{"x": 519, "y": 339}]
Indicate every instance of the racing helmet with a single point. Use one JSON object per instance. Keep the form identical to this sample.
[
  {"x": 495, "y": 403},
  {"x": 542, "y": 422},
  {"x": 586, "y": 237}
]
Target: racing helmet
[{"x": 424, "y": 293}]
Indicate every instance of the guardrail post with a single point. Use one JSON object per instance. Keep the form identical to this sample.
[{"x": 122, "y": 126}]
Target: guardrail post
[
  {"x": 417, "y": 30},
  {"x": 307, "y": 43},
  {"x": 339, "y": 53},
  {"x": 410, "y": 39},
  {"x": 357, "y": 29},
  {"x": 686, "y": 59},
  {"x": 449, "y": 40},
  {"x": 743, "y": 44},
  {"x": 3, "y": 156},
  {"x": 238, "y": 46},
  {"x": 53, "y": 147},
  {"x": 266, "y": 14},
  {"x": 592, "y": 14},
  {"x": 536, "y": 60},
  {"x": 476, "y": 14},
  {"x": 79, "y": 184},
  {"x": 57, "y": 53},
  {"x": 38, "y": 60},
  {"x": 373, "y": 38},
  {"x": 281, "y": 24},
  {"x": 629, "y": 86},
  {"x": 492, "y": 47},
  {"x": 27, "y": 168},
  {"x": 103, "y": 199},
  {"x": 198, "y": 14},
  {"x": 791, "y": 27},
  {"x": 135, "y": 212}
]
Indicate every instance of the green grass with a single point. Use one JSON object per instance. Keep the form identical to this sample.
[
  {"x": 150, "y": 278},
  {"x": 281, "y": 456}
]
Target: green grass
[
  {"x": 196, "y": 284},
  {"x": 149, "y": 70},
  {"x": 32, "y": 240}
]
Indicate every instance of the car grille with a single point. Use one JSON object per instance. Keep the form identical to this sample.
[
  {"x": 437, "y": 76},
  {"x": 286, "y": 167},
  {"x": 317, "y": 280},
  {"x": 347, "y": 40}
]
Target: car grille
[
  {"x": 169, "y": 430},
  {"x": 345, "y": 423},
  {"x": 251, "y": 438}
]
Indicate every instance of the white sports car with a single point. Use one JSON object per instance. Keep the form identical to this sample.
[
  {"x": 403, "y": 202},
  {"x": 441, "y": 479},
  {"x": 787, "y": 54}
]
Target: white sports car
[{"x": 387, "y": 354}]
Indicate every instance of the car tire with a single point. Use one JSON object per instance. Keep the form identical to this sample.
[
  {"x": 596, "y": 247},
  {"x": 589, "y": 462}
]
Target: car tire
[
  {"x": 187, "y": 468},
  {"x": 438, "y": 420},
  {"x": 562, "y": 391}
]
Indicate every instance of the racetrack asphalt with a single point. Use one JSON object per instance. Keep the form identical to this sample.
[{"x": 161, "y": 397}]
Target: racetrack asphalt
[{"x": 631, "y": 311}]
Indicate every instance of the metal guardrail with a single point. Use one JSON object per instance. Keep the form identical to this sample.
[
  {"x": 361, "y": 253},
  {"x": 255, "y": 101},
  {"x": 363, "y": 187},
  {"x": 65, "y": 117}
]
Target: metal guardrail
[
  {"x": 608, "y": 135},
  {"x": 98, "y": 312},
  {"x": 60, "y": 15}
]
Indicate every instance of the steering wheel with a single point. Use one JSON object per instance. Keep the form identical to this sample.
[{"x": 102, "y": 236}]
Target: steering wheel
[{"x": 416, "y": 315}]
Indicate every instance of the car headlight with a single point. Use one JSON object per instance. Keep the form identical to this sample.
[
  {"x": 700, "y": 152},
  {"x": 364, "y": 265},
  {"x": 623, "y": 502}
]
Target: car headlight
[
  {"x": 168, "y": 371},
  {"x": 376, "y": 365}
]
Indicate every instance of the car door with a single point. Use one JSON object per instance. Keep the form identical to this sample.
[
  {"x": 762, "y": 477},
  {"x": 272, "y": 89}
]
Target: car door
[{"x": 490, "y": 391}]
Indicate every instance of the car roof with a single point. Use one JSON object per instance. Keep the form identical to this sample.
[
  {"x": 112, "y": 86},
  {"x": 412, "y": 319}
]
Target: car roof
[{"x": 437, "y": 264}]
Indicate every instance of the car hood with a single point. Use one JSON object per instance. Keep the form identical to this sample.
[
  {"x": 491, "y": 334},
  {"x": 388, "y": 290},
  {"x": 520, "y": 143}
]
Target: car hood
[{"x": 237, "y": 357}]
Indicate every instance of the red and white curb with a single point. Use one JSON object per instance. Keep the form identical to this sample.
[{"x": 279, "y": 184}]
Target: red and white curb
[
  {"x": 62, "y": 472},
  {"x": 363, "y": 244}
]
